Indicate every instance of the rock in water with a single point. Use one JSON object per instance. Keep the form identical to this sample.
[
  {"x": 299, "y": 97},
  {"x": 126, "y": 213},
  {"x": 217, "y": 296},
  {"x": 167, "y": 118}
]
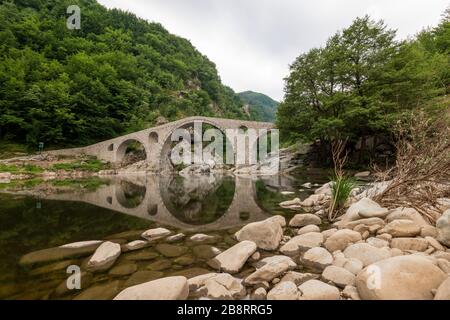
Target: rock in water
[
  {"x": 104, "y": 257},
  {"x": 234, "y": 258},
  {"x": 155, "y": 234},
  {"x": 443, "y": 226},
  {"x": 404, "y": 277},
  {"x": 171, "y": 288},
  {"x": 266, "y": 234}
]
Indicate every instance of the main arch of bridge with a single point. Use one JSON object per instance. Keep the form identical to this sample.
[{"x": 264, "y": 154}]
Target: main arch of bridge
[{"x": 153, "y": 139}]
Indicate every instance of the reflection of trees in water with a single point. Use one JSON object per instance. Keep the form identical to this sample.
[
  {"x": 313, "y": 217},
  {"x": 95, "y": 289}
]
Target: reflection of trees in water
[
  {"x": 198, "y": 200},
  {"x": 267, "y": 196},
  {"x": 132, "y": 194}
]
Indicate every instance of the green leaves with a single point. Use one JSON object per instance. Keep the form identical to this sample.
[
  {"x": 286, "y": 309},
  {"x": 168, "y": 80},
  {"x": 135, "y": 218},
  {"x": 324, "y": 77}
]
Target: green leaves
[
  {"x": 362, "y": 81},
  {"x": 116, "y": 74}
]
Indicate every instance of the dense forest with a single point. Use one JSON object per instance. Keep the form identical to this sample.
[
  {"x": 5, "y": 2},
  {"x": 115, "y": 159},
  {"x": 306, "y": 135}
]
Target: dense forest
[
  {"x": 363, "y": 81},
  {"x": 114, "y": 75},
  {"x": 260, "y": 107}
]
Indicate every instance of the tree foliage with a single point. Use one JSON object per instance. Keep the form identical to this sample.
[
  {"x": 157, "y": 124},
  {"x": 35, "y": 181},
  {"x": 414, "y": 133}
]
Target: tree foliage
[
  {"x": 362, "y": 81},
  {"x": 116, "y": 74}
]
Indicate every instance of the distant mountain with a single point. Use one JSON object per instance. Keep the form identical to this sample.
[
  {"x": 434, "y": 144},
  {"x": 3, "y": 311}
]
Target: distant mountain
[{"x": 259, "y": 106}]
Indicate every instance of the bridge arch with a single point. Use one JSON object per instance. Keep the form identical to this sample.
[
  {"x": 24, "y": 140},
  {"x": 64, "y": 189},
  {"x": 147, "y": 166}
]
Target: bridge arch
[{"x": 123, "y": 147}]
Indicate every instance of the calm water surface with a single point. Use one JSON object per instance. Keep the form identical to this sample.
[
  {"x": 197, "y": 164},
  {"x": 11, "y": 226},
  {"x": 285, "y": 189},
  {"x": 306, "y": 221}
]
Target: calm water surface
[{"x": 37, "y": 215}]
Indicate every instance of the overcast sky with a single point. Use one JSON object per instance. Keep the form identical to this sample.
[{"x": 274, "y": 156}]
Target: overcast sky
[{"x": 252, "y": 42}]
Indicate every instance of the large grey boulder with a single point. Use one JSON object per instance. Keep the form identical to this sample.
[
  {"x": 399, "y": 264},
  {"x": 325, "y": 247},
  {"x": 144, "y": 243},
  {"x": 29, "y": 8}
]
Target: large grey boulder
[
  {"x": 410, "y": 277},
  {"x": 171, "y": 288},
  {"x": 266, "y": 234},
  {"x": 364, "y": 208}
]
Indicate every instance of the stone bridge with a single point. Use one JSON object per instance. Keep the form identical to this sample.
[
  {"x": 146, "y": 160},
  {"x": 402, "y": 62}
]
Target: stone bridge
[
  {"x": 154, "y": 205},
  {"x": 157, "y": 140}
]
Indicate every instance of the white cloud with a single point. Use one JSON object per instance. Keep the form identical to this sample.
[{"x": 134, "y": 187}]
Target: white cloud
[{"x": 253, "y": 42}]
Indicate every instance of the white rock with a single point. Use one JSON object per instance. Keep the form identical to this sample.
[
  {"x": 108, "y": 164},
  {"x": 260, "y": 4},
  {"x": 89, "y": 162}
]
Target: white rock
[
  {"x": 224, "y": 287},
  {"x": 366, "y": 253},
  {"x": 135, "y": 245},
  {"x": 364, "y": 208},
  {"x": 305, "y": 219},
  {"x": 81, "y": 244},
  {"x": 363, "y": 174},
  {"x": 291, "y": 203},
  {"x": 171, "y": 288},
  {"x": 339, "y": 276},
  {"x": 443, "y": 226},
  {"x": 350, "y": 292},
  {"x": 104, "y": 257},
  {"x": 353, "y": 265},
  {"x": 287, "y": 193},
  {"x": 307, "y": 229},
  {"x": 407, "y": 214},
  {"x": 443, "y": 292},
  {"x": 318, "y": 290},
  {"x": 328, "y": 233},
  {"x": 341, "y": 239},
  {"x": 234, "y": 258},
  {"x": 176, "y": 237},
  {"x": 259, "y": 294},
  {"x": 200, "y": 237},
  {"x": 406, "y": 277},
  {"x": 317, "y": 258},
  {"x": 415, "y": 244},
  {"x": 302, "y": 243},
  {"x": 376, "y": 242},
  {"x": 197, "y": 282},
  {"x": 402, "y": 228},
  {"x": 325, "y": 189},
  {"x": 266, "y": 234},
  {"x": 270, "y": 269},
  {"x": 283, "y": 291},
  {"x": 155, "y": 234},
  {"x": 444, "y": 265},
  {"x": 307, "y": 185},
  {"x": 298, "y": 278}
]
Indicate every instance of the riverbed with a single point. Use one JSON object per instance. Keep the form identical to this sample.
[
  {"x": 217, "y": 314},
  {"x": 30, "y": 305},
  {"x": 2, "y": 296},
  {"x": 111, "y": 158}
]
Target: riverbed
[{"x": 47, "y": 214}]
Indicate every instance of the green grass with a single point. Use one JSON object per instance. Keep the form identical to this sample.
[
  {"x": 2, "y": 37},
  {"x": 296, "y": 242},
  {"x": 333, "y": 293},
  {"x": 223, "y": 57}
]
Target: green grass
[
  {"x": 10, "y": 149},
  {"x": 89, "y": 184},
  {"x": 21, "y": 184},
  {"x": 88, "y": 165},
  {"x": 341, "y": 189},
  {"x": 28, "y": 169}
]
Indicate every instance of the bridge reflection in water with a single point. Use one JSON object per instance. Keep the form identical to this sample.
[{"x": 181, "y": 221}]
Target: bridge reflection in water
[{"x": 195, "y": 203}]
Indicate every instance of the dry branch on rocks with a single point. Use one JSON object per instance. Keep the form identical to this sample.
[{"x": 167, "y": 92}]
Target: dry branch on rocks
[{"x": 421, "y": 173}]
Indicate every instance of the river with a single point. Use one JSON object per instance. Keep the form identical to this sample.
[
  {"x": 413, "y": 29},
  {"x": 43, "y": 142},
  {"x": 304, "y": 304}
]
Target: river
[{"x": 46, "y": 214}]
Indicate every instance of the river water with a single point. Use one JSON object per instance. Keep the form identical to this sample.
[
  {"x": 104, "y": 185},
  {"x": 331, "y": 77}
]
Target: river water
[{"x": 37, "y": 215}]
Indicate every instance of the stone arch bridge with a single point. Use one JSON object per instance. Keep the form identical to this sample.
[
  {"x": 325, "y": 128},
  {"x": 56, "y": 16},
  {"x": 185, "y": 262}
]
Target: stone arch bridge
[{"x": 154, "y": 140}]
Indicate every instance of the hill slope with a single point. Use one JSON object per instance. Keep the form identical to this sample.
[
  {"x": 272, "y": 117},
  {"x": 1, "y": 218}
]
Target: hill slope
[
  {"x": 116, "y": 74},
  {"x": 260, "y": 106}
]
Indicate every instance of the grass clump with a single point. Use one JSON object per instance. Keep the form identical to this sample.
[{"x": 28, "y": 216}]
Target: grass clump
[
  {"x": 341, "y": 188},
  {"x": 87, "y": 165}
]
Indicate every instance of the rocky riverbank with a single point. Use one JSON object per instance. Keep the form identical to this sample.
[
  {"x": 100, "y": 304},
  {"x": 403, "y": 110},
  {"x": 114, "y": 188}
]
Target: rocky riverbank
[{"x": 371, "y": 253}]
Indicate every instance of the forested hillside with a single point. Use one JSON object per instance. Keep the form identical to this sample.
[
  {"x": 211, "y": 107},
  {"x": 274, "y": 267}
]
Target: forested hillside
[
  {"x": 362, "y": 81},
  {"x": 116, "y": 74},
  {"x": 260, "y": 106}
]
